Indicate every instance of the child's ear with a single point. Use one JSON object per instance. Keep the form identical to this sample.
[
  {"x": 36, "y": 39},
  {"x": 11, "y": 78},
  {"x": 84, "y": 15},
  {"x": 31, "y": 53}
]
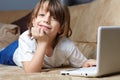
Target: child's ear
[{"x": 59, "y": 32}]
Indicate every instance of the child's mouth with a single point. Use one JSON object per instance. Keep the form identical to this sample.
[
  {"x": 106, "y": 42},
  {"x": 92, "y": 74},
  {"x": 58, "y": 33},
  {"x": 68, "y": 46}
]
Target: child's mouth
[{"x": 45, "y": 27}]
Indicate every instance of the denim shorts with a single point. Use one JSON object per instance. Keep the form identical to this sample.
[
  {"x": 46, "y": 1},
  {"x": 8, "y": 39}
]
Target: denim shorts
[{"x": 6, "y": 55}]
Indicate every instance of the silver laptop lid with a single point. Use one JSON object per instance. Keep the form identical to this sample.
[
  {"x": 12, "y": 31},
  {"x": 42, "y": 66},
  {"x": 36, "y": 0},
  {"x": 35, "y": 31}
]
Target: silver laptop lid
[{"x": 108, "y": 49}]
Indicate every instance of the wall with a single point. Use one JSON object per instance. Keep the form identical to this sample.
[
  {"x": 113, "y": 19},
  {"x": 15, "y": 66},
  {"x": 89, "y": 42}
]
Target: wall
[
  {"x": 29, "y": 4},
  {"x": 17, "y": 4}
]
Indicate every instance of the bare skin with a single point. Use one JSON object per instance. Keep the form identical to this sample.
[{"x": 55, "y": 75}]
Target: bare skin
[{"x": 89, "y": 63}]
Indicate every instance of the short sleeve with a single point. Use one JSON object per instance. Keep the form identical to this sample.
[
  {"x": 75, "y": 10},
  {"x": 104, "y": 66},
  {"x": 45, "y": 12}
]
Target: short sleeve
[
  {"x": 25, "y": 50},
  {"x": 71, "y": 52},
  {"x": 76, "y": 58}
]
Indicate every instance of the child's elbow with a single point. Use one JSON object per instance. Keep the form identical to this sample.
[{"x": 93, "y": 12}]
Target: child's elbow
[{"x": 31, "y": 71}]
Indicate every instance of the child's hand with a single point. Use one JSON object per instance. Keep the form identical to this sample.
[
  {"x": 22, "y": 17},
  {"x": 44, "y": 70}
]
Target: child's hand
[
  {"x": 89, "y": 63},
  {"x": 39, "y": 34}
]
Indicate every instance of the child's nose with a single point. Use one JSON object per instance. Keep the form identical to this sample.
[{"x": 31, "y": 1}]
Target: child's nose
[{"x": 47, "y": 18}]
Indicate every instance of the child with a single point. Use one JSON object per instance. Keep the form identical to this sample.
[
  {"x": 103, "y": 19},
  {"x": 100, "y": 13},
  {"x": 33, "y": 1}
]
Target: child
[{"x": 46, "y": 43}]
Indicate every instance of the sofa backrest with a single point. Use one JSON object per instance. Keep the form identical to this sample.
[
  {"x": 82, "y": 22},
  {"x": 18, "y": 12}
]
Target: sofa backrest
[{"x": 86, "y": 18}]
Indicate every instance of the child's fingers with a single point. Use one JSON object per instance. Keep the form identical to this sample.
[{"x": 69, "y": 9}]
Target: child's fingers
[
  {"x": 34, "y": 30},
  {"x": 90, "y": 63},
  {"x": 41, "y": 32},
  {"x": 93, "y": 62}
]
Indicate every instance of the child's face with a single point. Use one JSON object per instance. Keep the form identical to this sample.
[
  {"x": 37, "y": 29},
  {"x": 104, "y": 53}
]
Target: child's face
[{"x": 46, "y": 22}]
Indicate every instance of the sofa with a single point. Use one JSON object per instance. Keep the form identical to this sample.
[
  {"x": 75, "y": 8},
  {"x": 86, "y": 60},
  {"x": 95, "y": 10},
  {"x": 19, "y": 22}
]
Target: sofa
[{"x": 85, "y": 20}]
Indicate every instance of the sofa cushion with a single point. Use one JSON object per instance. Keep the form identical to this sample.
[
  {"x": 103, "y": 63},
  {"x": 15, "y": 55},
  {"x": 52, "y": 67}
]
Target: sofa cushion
[
  {"x": 8, "y": 34},
  {"x": 86, "y": 18},
  {"x": 17, "y": 17}
]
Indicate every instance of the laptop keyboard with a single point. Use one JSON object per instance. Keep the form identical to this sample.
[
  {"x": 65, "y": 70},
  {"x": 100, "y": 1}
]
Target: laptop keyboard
[{"x": 86, "y": 69}]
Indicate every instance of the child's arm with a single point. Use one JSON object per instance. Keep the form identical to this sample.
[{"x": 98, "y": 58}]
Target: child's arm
[{"x": 36, "y": 63}]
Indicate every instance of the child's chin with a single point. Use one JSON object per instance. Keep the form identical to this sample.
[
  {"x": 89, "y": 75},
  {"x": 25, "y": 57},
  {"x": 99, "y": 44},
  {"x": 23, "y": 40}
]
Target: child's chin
[{"x": 46, "y": 32}]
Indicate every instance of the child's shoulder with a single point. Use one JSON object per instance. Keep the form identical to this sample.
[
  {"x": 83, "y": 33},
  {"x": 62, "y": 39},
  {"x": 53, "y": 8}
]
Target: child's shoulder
[
  {"x": 65, "y": 46},
  {"x": 25, "y": 38},
  {"x": 25, "y": 35},
  {"x": 67, "y": 42}
]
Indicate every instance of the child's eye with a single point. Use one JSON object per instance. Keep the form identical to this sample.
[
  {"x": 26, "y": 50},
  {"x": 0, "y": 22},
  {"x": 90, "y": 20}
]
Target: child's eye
[
  {"x": 53, "y": 17},
  {"x": 41, "y": 14}
]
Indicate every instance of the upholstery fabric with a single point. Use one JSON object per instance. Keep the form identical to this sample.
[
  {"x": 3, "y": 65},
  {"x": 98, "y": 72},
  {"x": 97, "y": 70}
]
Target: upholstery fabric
[{"x": 8, "y": 34}]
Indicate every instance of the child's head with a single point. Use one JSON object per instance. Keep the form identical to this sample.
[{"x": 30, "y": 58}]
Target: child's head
[{"x": 59, "y": 11}]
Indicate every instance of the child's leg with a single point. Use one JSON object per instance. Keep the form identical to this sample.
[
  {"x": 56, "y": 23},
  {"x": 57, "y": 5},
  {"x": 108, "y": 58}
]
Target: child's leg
[{"x": 6, "y": 55}]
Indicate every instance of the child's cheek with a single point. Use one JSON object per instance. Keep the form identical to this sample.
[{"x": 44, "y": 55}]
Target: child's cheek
[{"x": 34, "y": 22}]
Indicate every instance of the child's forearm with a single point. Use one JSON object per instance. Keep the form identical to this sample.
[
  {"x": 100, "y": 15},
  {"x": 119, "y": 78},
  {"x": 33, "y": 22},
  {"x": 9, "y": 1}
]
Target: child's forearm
[{"x": 36, "y": 63}]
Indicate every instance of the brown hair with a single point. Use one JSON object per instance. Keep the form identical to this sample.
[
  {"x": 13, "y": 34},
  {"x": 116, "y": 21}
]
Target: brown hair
[{"x": 61, "y": 13}]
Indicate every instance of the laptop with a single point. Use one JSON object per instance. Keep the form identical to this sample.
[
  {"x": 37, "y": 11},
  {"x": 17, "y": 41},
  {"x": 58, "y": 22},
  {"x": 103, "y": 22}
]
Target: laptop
[{"x": 107, "y": 57}]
